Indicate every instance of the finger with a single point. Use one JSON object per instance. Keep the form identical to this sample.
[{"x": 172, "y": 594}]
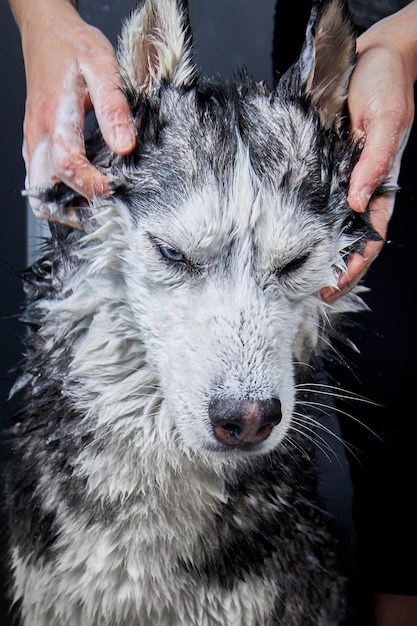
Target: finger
[
  {"x": 380, "y": 208},
  {"x": 67, "y": 148},
  {"x": 377, "y": 163},
  {"x": 367, "y": 175},
  {"x": 60, "y": 158},
  {"x": 356, "y": 268},
  {"x": 358, "y": 265},
  {"x": 42, "y": 178},
  {"x": 39, "y": 175},
  {"x": 72, "y": 167},
  {"x": 111, "y": 108},
  {"x": 114, "y": 118}
]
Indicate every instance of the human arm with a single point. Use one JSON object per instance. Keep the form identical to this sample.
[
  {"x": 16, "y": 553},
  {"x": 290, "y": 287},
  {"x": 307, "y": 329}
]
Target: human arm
[
  {"x": 71, "y": 69},
  {"x": 381, "y": 108}
]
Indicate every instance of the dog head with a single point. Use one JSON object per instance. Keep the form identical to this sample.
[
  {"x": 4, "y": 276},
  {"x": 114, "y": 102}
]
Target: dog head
[{"x": 226, "y": 221}]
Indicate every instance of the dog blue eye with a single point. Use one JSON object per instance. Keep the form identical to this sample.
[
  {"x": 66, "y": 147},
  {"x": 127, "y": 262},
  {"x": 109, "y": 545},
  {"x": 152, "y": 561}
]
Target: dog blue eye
[{"x": 171, "y": 254}]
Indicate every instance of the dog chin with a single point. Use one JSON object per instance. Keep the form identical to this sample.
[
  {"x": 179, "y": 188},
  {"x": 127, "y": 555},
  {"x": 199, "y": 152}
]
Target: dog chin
[
  {"x": 211, "y": 447},
  {"x": 245, "y": 450}
]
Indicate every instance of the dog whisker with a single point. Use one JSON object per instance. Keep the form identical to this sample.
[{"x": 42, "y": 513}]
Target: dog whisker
[
  {"x": 300, "y": 426},
  {"x": 296, "y": 445},
  {"x": 317, "y": 426}
]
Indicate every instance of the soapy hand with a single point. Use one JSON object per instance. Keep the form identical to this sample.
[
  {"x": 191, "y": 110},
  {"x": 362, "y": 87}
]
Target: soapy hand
[
  {"x": 381, "y": 109},
  {"x": 71, "y": 69}
]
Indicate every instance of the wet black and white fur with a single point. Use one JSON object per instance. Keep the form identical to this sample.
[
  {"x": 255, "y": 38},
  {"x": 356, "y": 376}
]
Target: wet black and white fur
[{"x": 162, "y": 454}]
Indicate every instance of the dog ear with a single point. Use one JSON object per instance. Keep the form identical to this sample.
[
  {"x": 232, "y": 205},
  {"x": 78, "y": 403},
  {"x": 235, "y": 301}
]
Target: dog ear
[
  {"x": 155, "y": 45},
  {"x": 327, "y": 59}
]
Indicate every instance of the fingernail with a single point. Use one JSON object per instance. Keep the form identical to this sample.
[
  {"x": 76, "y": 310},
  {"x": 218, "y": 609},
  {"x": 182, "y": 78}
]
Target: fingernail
[
  {"x": 327, "y": 293},
  {"x": 359, "y": 201},
  {"x": 124, "y": 139},
  {"x": 98, "y": 186},
  {"x": 364, "y": 196}
]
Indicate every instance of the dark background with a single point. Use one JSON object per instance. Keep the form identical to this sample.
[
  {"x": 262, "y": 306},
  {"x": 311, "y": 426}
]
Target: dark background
[{"x": 12, "y": 212}]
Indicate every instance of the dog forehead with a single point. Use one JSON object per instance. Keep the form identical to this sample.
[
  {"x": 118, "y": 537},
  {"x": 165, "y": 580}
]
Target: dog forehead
[
  {"x": 244, "y": 213},
  {"x": 188, "y": 134},
  {"x": 202, "y": 134},
  {"x": 280, "y": 134}
]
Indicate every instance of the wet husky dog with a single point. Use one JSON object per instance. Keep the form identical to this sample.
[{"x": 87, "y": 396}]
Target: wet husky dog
[{"x": 162, "y": 453}]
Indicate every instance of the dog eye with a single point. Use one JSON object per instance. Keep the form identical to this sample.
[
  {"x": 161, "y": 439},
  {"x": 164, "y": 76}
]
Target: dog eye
[
  {"x": 293, "y": 265},
  {"x": 171, "y": 254}
]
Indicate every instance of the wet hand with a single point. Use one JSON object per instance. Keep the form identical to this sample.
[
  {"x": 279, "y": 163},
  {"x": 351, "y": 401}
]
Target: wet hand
[
  {"x": 381, "y": 109},
  {"x": 71, "y": 69}
]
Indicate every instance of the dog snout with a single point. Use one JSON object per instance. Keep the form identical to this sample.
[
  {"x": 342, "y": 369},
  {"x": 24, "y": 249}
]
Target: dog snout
[{"x": 240, "y": 423}]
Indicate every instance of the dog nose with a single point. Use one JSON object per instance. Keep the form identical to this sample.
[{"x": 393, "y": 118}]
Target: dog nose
[{"x": 241, "y": 422}]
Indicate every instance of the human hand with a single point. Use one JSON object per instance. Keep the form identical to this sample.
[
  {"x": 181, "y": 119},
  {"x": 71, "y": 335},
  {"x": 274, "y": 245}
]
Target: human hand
[
  {"x": 381, "y": 108},
  {"x": 71, "y": 69}
]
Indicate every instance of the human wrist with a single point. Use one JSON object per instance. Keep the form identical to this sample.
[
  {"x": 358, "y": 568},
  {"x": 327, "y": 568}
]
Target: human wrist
[
  {"x": 398, "y": 33},
  {"x": 41, "y": 28},
  {"x": 39, "y": 10}
]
